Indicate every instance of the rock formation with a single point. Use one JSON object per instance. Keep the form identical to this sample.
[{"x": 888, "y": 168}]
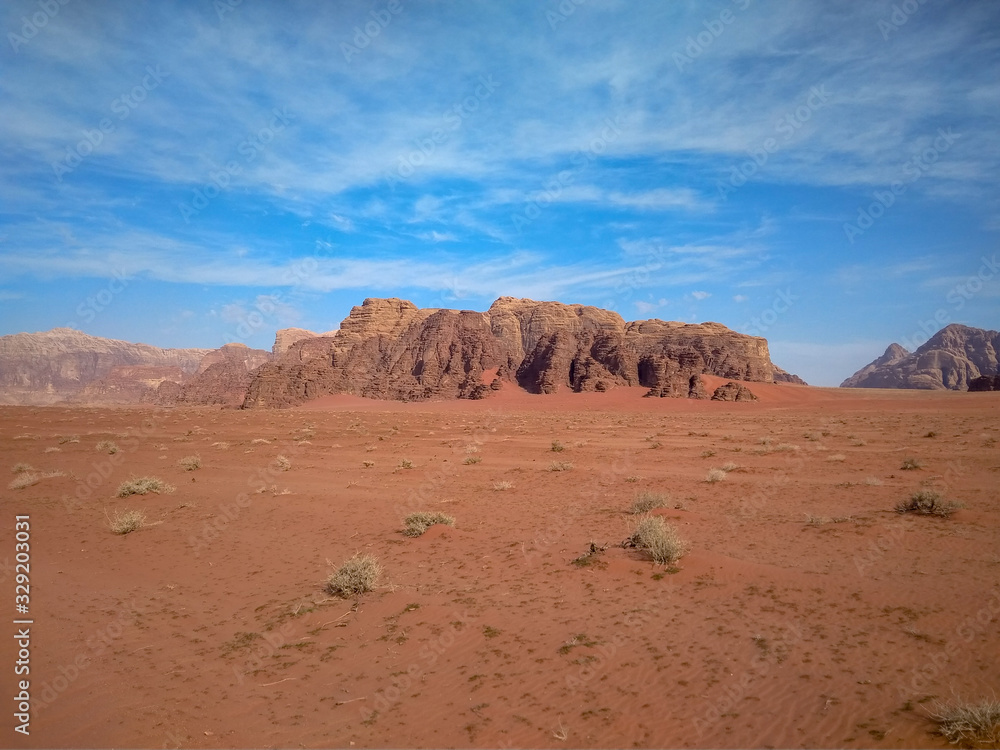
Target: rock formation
[
  {"x": 733, "y": 392},
  {"x": 780, "y": 376},
  {"x": 949, "y": 360},
  {"x": 390, "y": 349},
  {"x": 285, "y": 337},
  {"x": 56, "y": 365},
  {"x": 222, "y": 379},
  {"x": 985, "y": 383}
]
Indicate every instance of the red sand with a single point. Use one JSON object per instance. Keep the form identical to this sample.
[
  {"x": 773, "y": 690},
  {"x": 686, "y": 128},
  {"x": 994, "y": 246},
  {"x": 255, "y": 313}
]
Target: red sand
[{"x": 210, "y": 628}]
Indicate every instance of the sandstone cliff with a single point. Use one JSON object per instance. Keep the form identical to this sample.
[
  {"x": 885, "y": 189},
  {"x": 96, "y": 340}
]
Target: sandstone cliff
[
  {"x": 284, "y": 338},
  {"x": 52, "y": 366},
  {"x": 949, "y": 360},
  {"x": 390, "y": 349},
  {"x": 222, "y": 379}
]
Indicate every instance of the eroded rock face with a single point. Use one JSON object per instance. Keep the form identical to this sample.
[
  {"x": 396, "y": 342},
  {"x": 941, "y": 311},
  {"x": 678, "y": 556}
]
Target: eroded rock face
[
  {"x": 284, "y": 338},
  {"x": 56, "y": 365},
  {"x": 949, "y": 360},
  {"x": 781, "y": 376},
  {"x": 222, "y": 379},
  {"x": 733, "y": 392},
  {"x": 390, "y": 349}
]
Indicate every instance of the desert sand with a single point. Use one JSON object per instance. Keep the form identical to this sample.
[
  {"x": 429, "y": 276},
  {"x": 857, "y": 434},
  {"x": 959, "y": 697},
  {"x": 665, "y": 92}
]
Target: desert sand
[{"x": 806, "y": 613}]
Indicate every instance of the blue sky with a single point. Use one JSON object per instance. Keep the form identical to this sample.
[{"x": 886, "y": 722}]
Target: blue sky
[{"x": 193, "y": 173}]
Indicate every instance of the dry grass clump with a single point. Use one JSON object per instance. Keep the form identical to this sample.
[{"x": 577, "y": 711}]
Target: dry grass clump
[
  {"x": 142, "y": 486},
  {"x": 557, "y": 447},
  {"x": 24, "y": 479},
  {"x": 560, "y": 466},
  {"x": 355, "y": 576},
  {"x": 873, "y": 481},
  {"x": 973, "y": 724},
  {"x": 730, "y": 467},
  {"x": 108, "y": 446},
  {"x": 502, "y": 485},
  {"x": 282, "y": 462},
  {"x": 658, "y": 538},
  {"x": 838, "y": 457},
  {"x": 368, "y": 464},
  {"x": 125, "y": 522},
  {"x": 418, "y": 523},
  {"x": 21, "y": 468},
  {"x": 69, "y": 439},
  {"x": 190, "y": 463},
  {"x": 647, "y": 501},
  {"x": 927, "y": 503},
  {"x": 406, "y": 464},
  {"x": 911, "y": 464},
  {"x": 469, "y": 460},
  {"x": 260, "y": 441},
  {"x": 715, "y": 475}
]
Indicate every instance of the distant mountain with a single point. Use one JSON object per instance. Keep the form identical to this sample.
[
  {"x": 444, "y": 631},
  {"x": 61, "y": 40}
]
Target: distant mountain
[
  {"x": 57, "y": 365},
  {"x": 949, "y": 360},
  {"x": 391, "y": 349}
]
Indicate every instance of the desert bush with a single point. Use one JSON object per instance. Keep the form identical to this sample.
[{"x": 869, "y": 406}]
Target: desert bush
[
  {"x": 406, "y": 464},
  {"x": 912, "y": 463},
  {"x": 190, "y": 463},
  {"x": 730, "y": 467},
  {"x": 707, "y": 454},
  {"x": 927, "y": 503},
  {"x": 557, "y": 447},
  {"x": 24, "y": 479},
  {"x": 647, "y": 501},
  {"x": 418, "y": 523},
  {"x": 560, "y": 466},
  {"x": 972, "y": 724},
  {"x": 355, "y": 576},
  {"x": 108, "y": 446},
  {"x": 125, "y": 522},
  {"x": 142, "y": 486},
  {"x": 69, "y": 439},
  {"x": 658, "y": 538},
  {"x": 221, "y": 445},
  {"x": 873, "y": 481},
  {"x": 632, "y": 479},
  {"x": 469, "y": 460},
  {"x": 502, "y": 485},
  {"x": 715, "y": 475},
  {"x": 21, "y": 468},
  {"x": 283, "y": 463},
  {"x": 838, "y": 457},
  {"x": 368, "y": 464}
]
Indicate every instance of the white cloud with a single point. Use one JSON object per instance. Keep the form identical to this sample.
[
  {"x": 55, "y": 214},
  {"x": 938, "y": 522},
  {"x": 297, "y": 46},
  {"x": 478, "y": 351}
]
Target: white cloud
[
  {"x": 701, "y": 295},
  {"x": 740, "y": 298}
]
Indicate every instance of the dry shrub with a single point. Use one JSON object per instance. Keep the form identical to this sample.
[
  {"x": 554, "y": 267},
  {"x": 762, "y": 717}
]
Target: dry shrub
[
  {"x": 715, "y": 475},
  {"x": 127, "y": 521},
  {"x": 142, "y": 486},
  {"x": 355, "y": 576},
  {"x": 24, "y": 479},
  {"x": 973, "y": 724},
  {"x": 927, "y": 503},
  {"x": 283, "y": 463},
  {"x": 108, "y": 446},
  {"x": 560, "y": 466},
  {"x": 418, "y": 523},
  {"x": 658, "y": 538},
  {"x": 502, "y": 485},
  {"x": 647, "y": 501},
  {"x": 190, "y": 463}
]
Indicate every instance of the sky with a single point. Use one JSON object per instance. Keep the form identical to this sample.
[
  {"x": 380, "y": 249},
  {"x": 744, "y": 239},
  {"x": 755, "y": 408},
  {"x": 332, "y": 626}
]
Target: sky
[{"x": 197, "y": 173}]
